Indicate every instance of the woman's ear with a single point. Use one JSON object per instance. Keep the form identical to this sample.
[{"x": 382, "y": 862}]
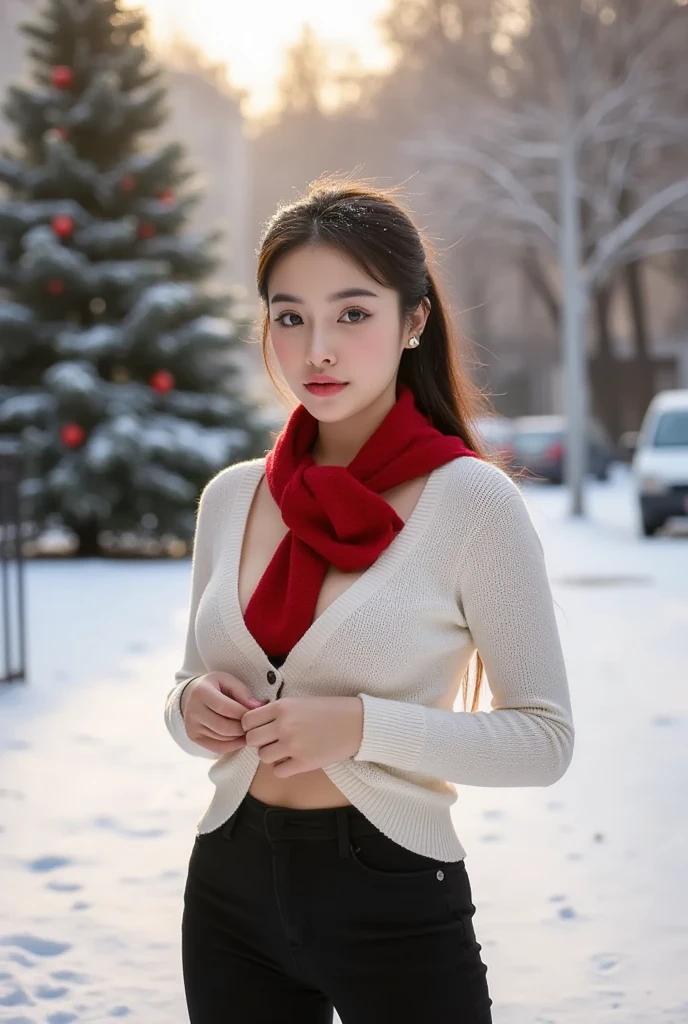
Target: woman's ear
[{"x": 420, "y": 318}]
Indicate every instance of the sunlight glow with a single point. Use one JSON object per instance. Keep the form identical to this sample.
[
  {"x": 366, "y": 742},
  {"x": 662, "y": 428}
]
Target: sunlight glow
[{"x": 253, "y": 37}]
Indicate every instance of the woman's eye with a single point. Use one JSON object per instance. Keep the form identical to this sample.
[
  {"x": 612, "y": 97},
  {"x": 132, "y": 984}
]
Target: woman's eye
[
  {"x": 280, "y": 319},
  {"x": 359, "y": 315},
  {"x": 363, "y": 316}
]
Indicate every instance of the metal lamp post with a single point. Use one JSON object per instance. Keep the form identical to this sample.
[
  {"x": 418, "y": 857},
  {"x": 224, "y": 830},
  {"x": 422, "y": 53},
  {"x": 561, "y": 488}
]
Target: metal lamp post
[{"x": 12, "y": 616}]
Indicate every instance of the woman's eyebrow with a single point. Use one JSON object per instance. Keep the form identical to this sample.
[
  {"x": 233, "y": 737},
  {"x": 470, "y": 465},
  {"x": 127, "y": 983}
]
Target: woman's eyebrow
[{"x": 346, "y": 293}]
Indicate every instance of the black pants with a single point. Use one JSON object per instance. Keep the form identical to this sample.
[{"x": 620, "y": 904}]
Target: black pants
[{"x": 288, "y": 913}]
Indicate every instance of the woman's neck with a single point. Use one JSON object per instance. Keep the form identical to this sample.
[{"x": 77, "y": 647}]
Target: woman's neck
[{"x": 337, "y": 444}]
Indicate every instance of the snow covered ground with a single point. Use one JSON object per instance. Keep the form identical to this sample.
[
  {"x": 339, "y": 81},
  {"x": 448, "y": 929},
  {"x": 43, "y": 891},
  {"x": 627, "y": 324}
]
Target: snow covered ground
[{"x": 581, "y": 888}]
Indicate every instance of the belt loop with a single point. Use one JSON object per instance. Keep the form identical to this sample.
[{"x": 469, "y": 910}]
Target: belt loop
[{"x": 342, "y": 831}]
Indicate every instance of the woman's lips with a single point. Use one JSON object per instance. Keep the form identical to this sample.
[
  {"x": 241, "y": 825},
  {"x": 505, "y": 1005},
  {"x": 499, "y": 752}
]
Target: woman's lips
[{"x": 324, "y": 390}]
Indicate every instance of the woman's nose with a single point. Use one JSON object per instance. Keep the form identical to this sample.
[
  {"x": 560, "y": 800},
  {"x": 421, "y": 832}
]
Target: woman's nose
[{"x": 319, "y": 350}]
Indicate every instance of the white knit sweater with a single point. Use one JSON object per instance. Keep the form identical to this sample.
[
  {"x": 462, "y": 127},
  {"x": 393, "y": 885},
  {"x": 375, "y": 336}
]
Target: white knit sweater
[{"x": 467, "y": 570}]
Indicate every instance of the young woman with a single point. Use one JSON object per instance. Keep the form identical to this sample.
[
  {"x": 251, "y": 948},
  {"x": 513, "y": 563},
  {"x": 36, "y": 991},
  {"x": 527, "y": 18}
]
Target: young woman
[{"x": 340, "y": 588}]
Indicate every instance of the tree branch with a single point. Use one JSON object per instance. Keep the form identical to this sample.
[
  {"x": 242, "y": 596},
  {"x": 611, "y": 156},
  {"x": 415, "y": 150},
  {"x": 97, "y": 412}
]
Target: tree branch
[
  {"x": 607, "y": 249},
  {"x": 527, "y": 207}
]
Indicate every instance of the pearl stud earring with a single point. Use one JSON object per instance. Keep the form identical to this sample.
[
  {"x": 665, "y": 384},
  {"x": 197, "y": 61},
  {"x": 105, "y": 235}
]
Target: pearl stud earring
[{"x": 414, "y": 342}]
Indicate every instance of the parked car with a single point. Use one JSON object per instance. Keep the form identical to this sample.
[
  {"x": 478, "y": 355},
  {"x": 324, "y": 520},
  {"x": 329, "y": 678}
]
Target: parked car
[
  {"x": 539, "y": 444},
  {"x": 497, "y": 433},
  {"x": 660, "y": 461}
]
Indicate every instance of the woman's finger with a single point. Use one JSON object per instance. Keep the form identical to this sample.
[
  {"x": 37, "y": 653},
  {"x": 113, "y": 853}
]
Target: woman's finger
[
  {"x": 218, "y": 725},
  {"x": 262, "y": 734},
  {"x": 271, "y": 752},
  {"x": 221, "y": 746}
]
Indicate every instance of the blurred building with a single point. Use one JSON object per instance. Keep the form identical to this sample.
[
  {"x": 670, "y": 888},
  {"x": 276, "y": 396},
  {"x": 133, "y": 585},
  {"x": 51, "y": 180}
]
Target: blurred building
[
  {"x": 513, "y": 340},
  {"x": 12, "y": 47},
  {"x": 205, "y": 114},
  {"x": 517, "y": 348}
]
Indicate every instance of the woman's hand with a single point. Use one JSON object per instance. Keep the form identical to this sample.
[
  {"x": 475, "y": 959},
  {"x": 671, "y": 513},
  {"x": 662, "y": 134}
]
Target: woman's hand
[
  {"x": 212, "y": 707},
  {"x": 305, "y": 733}
]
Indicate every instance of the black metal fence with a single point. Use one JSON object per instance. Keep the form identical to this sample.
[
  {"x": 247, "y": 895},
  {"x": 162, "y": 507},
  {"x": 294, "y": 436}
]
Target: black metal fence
[{"x": 12, "y": 612}]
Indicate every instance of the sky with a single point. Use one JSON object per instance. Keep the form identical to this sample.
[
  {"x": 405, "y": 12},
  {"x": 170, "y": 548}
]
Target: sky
[{"x": 253, "y": 37}]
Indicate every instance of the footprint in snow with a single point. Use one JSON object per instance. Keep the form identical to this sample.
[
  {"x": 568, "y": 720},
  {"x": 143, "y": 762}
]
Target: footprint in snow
[
  {"x": 23, "y": 961},
  {"x": 604, "y": 961},
  {"x": 103, "y": 821},
  {"x": 51, "y": 991},
  {"x": 34, "y": 944},
  {"x": 12, "y": 994},
  {"x": 48, "y": 863},
  {"x": 73, "y": 976}
]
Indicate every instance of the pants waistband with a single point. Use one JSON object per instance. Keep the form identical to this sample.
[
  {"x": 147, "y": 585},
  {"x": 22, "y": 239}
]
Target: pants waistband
[{"x": 340, "y": 823}]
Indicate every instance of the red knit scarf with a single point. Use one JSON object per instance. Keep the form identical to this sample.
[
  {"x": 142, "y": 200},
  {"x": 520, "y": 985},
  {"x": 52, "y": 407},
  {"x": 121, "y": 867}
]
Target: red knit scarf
[{"x": 334, "y": 513}]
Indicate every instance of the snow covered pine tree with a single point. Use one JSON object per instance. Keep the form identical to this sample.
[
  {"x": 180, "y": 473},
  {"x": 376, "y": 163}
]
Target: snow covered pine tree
[{"x": 119, "y": 371}]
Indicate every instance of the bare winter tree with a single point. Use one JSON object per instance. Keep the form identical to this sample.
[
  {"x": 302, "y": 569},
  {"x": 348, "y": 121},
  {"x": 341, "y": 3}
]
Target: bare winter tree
[{"x": 558, "y": 129}]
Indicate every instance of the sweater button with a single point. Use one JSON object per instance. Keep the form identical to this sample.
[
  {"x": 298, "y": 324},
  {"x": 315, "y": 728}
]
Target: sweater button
[{"x": 272, "y": 676}]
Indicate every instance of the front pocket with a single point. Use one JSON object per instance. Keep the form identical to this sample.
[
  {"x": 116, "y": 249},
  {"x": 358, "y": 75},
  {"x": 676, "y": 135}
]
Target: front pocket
[{"x": 384, "y": 858}]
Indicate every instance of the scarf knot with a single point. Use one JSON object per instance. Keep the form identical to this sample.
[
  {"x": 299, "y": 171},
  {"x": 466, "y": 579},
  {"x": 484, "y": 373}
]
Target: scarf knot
[{"x": 335, "y": 515}]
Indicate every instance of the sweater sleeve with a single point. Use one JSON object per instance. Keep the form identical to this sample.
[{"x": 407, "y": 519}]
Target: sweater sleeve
[
  {"x": 193, "y": 665},
  {"x": 504, "y": 594}
]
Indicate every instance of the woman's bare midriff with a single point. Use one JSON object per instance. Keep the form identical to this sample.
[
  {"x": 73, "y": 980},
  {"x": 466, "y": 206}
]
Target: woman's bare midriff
[
  {"x": 306, "y": 791},
  {"x": 264, "y": 532}
]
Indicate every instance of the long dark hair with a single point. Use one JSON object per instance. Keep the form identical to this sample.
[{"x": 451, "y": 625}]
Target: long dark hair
[{"x": 373, "y": 228}]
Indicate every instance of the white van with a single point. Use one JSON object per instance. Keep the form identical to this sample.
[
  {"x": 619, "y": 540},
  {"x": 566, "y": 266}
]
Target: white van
[{"x": 660, "y": 462}]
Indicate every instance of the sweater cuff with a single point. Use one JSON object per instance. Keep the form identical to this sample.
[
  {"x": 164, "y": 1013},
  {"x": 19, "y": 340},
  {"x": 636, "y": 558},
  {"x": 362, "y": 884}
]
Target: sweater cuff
[{"x": 393, "y": 732}]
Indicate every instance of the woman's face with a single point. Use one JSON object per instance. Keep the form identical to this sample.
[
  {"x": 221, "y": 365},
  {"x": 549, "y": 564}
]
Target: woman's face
[{"x": 328, "y": 317}]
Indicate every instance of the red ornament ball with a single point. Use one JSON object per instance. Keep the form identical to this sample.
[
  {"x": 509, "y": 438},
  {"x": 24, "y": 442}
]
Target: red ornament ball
[
  {"x": 162, "y": 381},
  {"x": 146, "y": 229},
  {"x": 167, "y": 195},
  {"x": 62, "y": 76},
  {"x": 55, "y": 286},
  {"x": 56, "y": 133},
  {"x": 127, "y": 182},
  {"x": 72, "y": 435},
  {"x": 62, "y": 225}
]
